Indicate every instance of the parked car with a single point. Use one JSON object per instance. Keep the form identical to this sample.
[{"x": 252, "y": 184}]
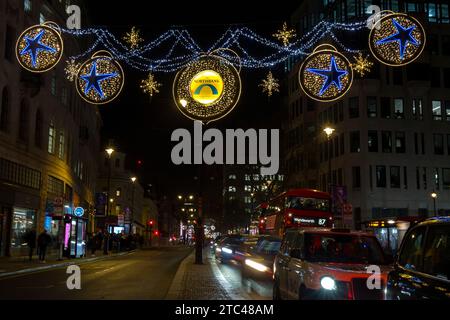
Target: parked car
[
  {"x": 422, "y": 266},
  {"x": 258, "y": 263},
  {"x": 330, "y": 264}
]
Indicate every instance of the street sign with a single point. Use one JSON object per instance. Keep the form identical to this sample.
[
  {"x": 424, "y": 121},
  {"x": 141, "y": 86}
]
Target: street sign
[{"x": 78, "y": 212}]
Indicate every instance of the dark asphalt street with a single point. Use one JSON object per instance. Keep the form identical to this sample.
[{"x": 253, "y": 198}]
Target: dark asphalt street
[{"x": 145, "y": 274}]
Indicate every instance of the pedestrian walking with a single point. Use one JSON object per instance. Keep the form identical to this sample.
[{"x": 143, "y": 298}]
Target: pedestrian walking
[
  {"x": 43, "y": 241},
  {"x": 30, "y": 239}
]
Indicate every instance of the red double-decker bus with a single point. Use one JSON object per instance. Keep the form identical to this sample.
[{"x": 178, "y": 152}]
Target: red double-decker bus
[{"x": 295, "y": 208}]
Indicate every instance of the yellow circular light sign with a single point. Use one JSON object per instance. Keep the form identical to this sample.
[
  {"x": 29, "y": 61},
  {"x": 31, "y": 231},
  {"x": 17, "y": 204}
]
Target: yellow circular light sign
[{"x": 206, "y": 87}]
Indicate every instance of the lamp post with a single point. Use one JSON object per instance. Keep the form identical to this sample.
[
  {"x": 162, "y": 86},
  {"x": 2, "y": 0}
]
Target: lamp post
[
  {"x": 434, "y": 196},
  {"x": 133, "y": 180},
  {"x": 109, "y": 152},
  {"x": 329, "y": 132}
]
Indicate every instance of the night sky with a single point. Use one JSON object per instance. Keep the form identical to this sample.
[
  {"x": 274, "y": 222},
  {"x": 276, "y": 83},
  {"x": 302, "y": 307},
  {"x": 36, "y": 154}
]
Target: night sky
[{"x": 142, "y": 128}]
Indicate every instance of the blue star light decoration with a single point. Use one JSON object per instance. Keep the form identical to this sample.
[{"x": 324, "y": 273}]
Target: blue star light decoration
[
  {"x": 93, "y": 80},
  {"x": 403, "y": 36},
  {"x": 332, "y": 76},
  {"x": 34, "y": 46}
]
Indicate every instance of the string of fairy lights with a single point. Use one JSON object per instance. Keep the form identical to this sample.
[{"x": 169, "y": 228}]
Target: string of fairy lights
[{"x": 208, "y": 85}]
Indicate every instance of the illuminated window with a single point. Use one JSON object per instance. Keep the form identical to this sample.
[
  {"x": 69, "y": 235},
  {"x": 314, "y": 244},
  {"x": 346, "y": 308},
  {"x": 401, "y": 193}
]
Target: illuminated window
[
  {"x": 232, "y": 177},
  {"x": 417, "y": 109},
  {"x": 248, "y": 188},
  {"x": 398, "y": 108},
  {"x": 51, "y": 138},
  {"x": 61, "y": 145},
  {"x": 118, "y": 192},
  {"x": 27, "y": 5},
  {"x": 231, "y": 189}
]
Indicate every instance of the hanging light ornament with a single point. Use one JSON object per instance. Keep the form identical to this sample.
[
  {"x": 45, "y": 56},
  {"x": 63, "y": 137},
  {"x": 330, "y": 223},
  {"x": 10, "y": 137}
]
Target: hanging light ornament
[
  {"x": 362, "y": 65},
  {"x": 326, "y": 74},
  {"x": 100, "y": 79},
  {"x": 40, "y": 47},
  {"x": 71, "y": 70},
  {"x": 150, "y": 85},
  {"x": 397, "y": 39},
  {"x": 284, "y": 35},
  {"x": 208, "y": 88},
  {"x": 133, "y": 38},
  {"x": 270, "y": 84}
]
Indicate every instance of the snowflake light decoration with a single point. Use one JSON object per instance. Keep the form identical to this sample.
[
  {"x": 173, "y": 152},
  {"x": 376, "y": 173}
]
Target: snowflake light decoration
[
  {"x": 150, "y": 85},
  {"x": 270, "y": 84},
  {"x": 285, "y": 35},
  {"x": 133, "y": 38},
  {"x": 71, "y": 70},
  {"x": 362, "y": 64}
]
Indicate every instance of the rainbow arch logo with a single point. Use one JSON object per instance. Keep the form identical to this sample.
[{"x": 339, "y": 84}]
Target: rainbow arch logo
[{"x": 206, "y": 87}]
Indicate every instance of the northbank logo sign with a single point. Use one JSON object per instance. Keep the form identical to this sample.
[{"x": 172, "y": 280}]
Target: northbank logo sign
[
  {"x": 206, "y": 87},
  {"x": 230, "y": 148}
]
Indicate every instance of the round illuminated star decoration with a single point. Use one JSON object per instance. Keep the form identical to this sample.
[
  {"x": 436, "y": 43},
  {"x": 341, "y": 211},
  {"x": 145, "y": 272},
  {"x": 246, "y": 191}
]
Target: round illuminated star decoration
[
  {"x": 326, "y": 75},
  {"x": 133, "y": 38},
  {"x": 150, "y": 85},
  {"x": 71, "y": 70},
  {"x": 40, "y": 47},
  {"x": 397, "y": 39},
  {"x": 270, "y": 84},
  {"x": 285, "y": 35},
  {"x": 100, "y": 79},
  {"x": 362, "y": 65},
  {"x": 207, "y": 89}
]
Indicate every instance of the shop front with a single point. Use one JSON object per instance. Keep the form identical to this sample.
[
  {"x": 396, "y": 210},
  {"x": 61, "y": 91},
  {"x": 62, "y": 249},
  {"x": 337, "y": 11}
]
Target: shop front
[{"x": 75, "y": 226}]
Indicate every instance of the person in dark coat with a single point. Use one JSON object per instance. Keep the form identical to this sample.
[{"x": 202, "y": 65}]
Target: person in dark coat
[
  {"x": 30, "y": 239},
  {"x": 43, "y": 241}
]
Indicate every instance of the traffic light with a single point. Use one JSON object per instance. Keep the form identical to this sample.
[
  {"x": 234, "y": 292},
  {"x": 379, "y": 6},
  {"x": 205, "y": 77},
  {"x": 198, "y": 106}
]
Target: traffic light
[
  {"x": 150, "y": 222},
  {"x": 156, "y": 233}
]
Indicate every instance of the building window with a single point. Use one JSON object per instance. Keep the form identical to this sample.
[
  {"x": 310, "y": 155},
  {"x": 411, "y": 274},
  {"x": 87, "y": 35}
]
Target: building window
[
  {"x": 55, "y": 186},
  {"x": 231, "y": 189},
  {"x": 372, "y": 107},
  {"x": 438, "y": 142},
  {"x": 256, "y": 177},
  {"x": 424, "y": 178},
  {"x": 24, "y": 121},
  {"x": 398, "y": 108},
  {"x": 18, "y": 174},
  {"x": 356, "y": 177},
  {"x": 395, "y": 177},
  {"x": 381, "y": 177},
  {"x": 448, "y": 144},
  {"x": 51, "y": 138},
  {"x": 27, "y": 5},
  {"x": 38, "y": 129},
  {"x": 446, "y": 178},
  {"x": 400, "y": 143},
  {"x": 118, "y": 209},
  {"x": 385, "y": 107},
  {"x": 386, "y": 141},
  {"x": 247, "y": 200},
  {"x": 247, "y": 177},
  {"x": 53, "y": 85},
  {"x": 417, "y": 109},
  {"x": 4, "y": 110},
  {"x": 355, "y": 145},
  {"x": 64, "y": 97},
  {"x": 372, "y": 141},
  {"x": 405, "y": 178},
  {"x": 437, "y": 110},
  {"x": 447, "y": 110},
  {"x": 9, "y": 43},
  {"x": 342, "y": 143},
  {"x": 422, "y": 142},
  {"x": 232, "y": 177},
  {"x": 353, "y": 107},
  {"x": 418, "y": 178},
  {"x": 61, "y": 145},
  {"x": 118, "y": 192},
  {"x": 436, "y": 178},
  {"x": 248, "y": 188}
]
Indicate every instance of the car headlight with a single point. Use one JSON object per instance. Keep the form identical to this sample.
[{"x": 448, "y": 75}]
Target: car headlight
[
  {"x": 255, "y": 265},
  {"x": 328, "y": 283},
  {"x": 218, "y": 249},
  {"x": 226, "y": 250}
]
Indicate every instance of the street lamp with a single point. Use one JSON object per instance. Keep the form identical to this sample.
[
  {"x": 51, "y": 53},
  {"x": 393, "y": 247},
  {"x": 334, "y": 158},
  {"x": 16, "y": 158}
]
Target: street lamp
[
  {"x": 434, "y": 196},
  {"x": 329, "y": 132},
  {"x": 133, "y": 180},
  {"x": 109, "y": 152}
]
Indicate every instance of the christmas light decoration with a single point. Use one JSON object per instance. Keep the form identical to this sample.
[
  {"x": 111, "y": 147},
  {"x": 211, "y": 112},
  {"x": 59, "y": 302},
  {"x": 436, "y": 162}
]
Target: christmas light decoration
[
  {"x": 397, "y": 39},
  {"x": 270, "y": 84},
  {"x": 326, "y": 75},
  {"x": 150, "y": 85},
  {"x": 133, "y": 38},
  {"x": 238, "y": 39},
  {"x": 362, "y": 64},
  {"x": 100, "y": 79},
  {"x": 40, "y": 47},
  {"x": 71, "y": 70},
  {"x": 207, "y": 89},
  {"x": 285, "y": 35}
]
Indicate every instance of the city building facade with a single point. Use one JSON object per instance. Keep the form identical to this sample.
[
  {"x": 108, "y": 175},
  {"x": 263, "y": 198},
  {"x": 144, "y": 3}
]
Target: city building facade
[
  {"x": 49, "y": 141},
  {"x": 390, "y": 149}
]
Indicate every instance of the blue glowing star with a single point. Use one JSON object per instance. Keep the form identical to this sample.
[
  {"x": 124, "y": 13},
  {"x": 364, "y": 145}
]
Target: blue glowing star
[
  {"x": 34, "y": 46},
  {"x": 333, "y": 76},
  {"x": 93, "y": 80},
  {"x": 403, "y": 37}
]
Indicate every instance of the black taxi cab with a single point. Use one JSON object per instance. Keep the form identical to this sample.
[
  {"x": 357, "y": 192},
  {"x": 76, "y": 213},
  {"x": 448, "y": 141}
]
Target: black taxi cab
[{"x": 422, "y": 267}]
